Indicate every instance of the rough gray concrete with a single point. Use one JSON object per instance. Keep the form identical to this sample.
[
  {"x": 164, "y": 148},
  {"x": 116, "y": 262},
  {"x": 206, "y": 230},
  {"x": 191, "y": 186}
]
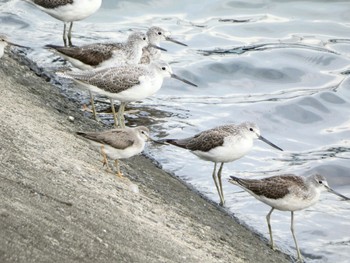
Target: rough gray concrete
[{"x": 59, "y": 205}]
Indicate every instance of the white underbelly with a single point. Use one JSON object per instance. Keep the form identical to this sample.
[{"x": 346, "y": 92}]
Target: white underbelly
[
  {"x": 74, "y": 12},
  {"x": 114, "y": 153},
  {"x": 229, "y": 152},
  {"x": 289, "y": 202}
]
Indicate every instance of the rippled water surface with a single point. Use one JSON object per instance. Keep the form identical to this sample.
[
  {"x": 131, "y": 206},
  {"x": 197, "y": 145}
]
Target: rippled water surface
[{"x": 281, "y": 64}]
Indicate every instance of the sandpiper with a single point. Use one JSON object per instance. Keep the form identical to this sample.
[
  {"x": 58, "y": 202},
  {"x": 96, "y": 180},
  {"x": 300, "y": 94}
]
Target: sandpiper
[
  {"x": 125, "y": 83},
  {"x": 118, "y": 143},
  {"x": 68, "y": 11},
  {"x": 101, "y": 55},
  {"x": 222, "y": 144},
  {"x": 155, "y": 36},
  {"x": 3, "y": 43},
  {"x": 286, "y": 193}
]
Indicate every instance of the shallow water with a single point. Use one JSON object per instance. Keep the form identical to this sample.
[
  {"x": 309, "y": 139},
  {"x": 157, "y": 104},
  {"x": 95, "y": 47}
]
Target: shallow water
[{"x": 281, "y": 64}]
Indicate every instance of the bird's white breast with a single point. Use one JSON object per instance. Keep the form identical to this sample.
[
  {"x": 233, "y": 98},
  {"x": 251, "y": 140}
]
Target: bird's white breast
[
  {"x": 231, "y": 150},
  {"x": 114, "y": 153},
  {"x": 147, "y": 87}
]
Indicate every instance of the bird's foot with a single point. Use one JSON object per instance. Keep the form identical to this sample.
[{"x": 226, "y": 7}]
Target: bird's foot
[
  {"x": 86, "y": 108},
  {"x": 120, "y": 174}
]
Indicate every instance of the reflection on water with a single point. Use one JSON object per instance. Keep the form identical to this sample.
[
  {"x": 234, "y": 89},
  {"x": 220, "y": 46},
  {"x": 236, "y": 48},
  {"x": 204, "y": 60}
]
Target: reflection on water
[{"x": 281, "y": 64}]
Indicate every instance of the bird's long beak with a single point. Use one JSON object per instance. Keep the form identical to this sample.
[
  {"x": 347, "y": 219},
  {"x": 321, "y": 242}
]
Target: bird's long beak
[
  {"x": 269, "y": 143},
  {"x": 163, "y": 142},
  {"x": 336, "y": 193},
  {"x": 175, "y": 41},
  {"x": 157, "y": 47},
  {"x": 183, "y": 80},
  {"x": 14, "y": 44}
]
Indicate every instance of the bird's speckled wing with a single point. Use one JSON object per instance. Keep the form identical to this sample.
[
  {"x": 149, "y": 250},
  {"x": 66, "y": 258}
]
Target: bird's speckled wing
[
  {"x": 51, "y": 4},
  {"x": 92, "y": 55},
  {"x": 114, "y": 79},
  {"x": 117, "y": 138},
  {"x": 206, "y": 140},
  {"x": 281, "y": 185}
]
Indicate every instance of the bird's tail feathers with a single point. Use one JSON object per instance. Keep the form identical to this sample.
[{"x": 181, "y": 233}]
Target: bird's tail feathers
[{"x": 175, "y": 142}]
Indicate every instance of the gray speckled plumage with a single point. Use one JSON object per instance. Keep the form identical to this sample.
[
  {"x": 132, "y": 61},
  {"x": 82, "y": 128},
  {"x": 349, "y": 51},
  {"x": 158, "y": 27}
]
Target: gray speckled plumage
[
  {"x": 51, "y": 4},
  {"x": 116, "y": 138},
  {"x": 114, "y": 79},
  {"x": 105, "y": 54},
  {"x": 125, "y": 83},
  {"x": 275, "y": 187},
  {"x": 92, "y": 54}
]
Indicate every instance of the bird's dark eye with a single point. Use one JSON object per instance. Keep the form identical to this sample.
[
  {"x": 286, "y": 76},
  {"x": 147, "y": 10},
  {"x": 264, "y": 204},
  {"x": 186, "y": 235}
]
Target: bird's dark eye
[
  {"x": 320, "y": 182},
  {"x": 144, "y": 38},
  {"x": 251, "y": 129},
  {"x": 159, "y": 33},
  {"x": 163, "y": 68}
]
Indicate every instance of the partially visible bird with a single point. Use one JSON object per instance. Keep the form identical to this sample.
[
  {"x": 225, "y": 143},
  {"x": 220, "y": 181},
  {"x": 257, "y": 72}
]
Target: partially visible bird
[
  {"x": 118, "y": 143},
  {"x": 222, "y": 144},
  {"x": 4, "y": 42},
  {"x": 286, "y": 193},
  {"x": 67, "y": 11},
  {"x": 155, "y": 36}
]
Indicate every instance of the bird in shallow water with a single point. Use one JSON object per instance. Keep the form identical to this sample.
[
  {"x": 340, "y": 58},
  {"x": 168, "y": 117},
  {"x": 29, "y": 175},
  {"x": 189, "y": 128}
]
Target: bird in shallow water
[
  {"x": 118, "y": 143},
  {"x": 286, "y": 193},
  {"x": 125, "y": 83},
  {"x": 222, "y": 144},
  {"x": 67, "y": 11}
]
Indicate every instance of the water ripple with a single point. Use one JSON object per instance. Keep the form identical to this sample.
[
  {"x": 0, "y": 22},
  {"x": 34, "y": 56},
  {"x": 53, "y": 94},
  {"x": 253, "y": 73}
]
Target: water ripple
[{"x": 261, "y": 47}]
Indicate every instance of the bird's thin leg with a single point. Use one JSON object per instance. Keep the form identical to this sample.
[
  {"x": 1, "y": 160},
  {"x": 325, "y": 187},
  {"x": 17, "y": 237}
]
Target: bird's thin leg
[
  {"x": 269, "y": 226},
  {"x": 216, "y": 183},
  {"x": 70, "y": 34},
  {"x": 104, "y": 155},
  {"x": 121, "y": 119},
  {"x": 116, "y": 163},
  {"x": 222, "y": 201},
  {"x": 64, "y": 34},
  {"x": 93, "y": 105},
  {"x": 295, "y": 240},
  {"x": 114, "y": 114}
]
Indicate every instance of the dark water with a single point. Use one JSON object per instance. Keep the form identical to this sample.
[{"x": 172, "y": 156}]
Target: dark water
[{"x": 281, "y": 64}]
